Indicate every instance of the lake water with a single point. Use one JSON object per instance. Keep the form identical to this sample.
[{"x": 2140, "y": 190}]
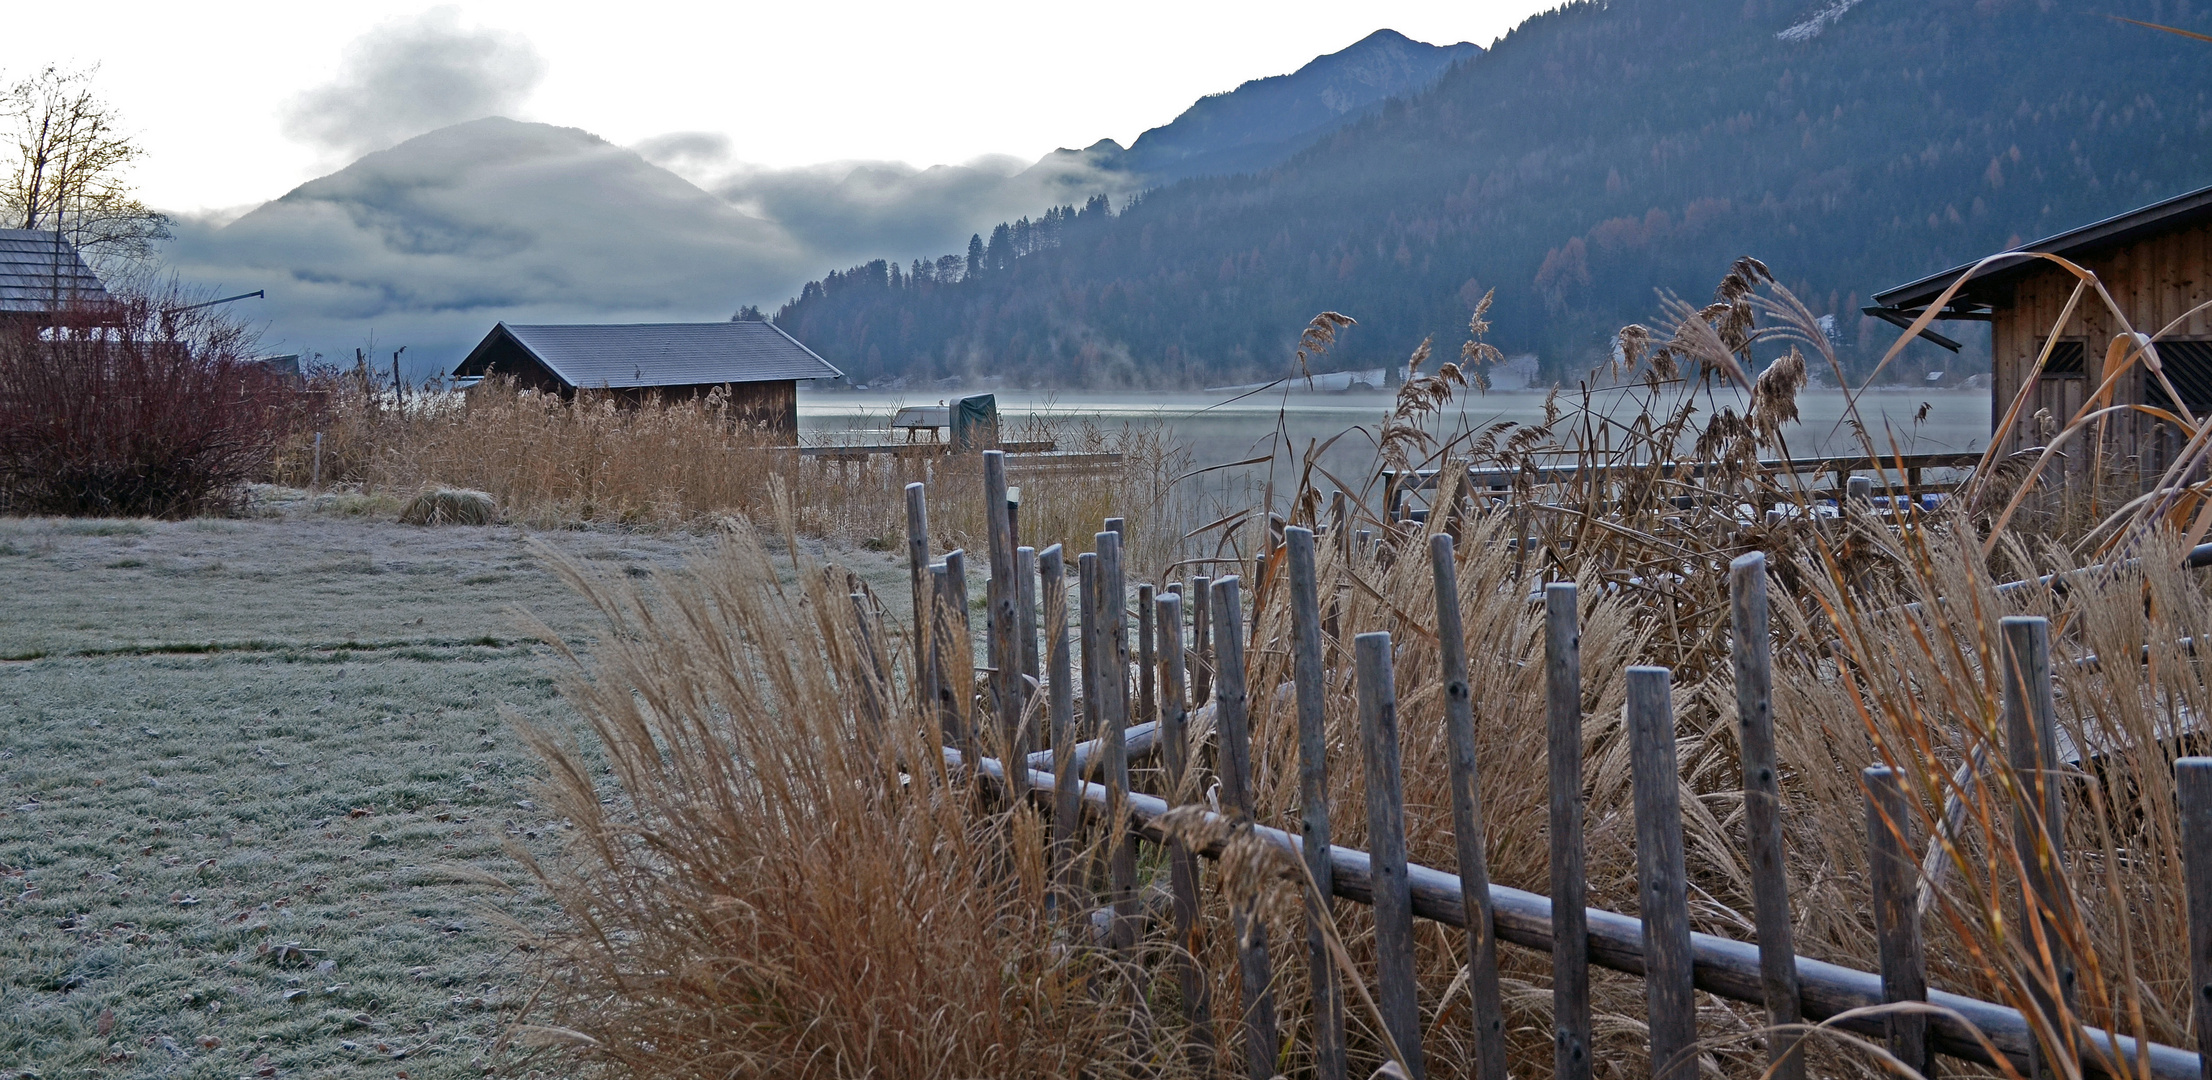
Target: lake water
[{"x": 1220, "y": 428}]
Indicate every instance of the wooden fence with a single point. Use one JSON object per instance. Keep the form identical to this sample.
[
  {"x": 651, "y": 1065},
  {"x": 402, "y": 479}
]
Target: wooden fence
[
  {"x": 1904, "y": 475},
  {"x": 1658, "y": 945}
]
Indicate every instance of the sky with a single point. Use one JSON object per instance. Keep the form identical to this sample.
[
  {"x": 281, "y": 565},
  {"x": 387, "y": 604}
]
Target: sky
[{"x": 238, "y": 103}]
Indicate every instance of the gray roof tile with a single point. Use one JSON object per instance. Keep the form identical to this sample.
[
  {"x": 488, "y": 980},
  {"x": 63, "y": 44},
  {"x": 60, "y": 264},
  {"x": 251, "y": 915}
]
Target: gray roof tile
[
  {"x": 619, "y": 356},
  {"x": 37, "y": 268}
]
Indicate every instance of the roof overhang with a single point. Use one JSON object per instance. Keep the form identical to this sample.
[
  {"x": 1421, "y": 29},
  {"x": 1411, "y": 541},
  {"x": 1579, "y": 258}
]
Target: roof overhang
[{"x": 1988, "y": 280}]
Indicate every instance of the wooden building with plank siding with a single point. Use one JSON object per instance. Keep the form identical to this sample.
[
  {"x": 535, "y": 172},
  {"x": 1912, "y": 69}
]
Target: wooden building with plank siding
[
  {"x": 2157, "y": 264},
  {"x": 754, "y": 364}
]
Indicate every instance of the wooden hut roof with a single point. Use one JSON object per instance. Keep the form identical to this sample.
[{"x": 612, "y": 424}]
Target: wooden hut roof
[
  {"x": 40, "y": 273},
  {"x": 1902, "y": 304},
  {"x": 640, "y": 355}
]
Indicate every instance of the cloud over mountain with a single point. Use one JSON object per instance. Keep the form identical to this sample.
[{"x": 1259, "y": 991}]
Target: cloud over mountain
[
  {"x": 407, "y": 78},
  {"x": 430, "y": 242},
  {"x": 454, "y": 219},
  {"x": 845, "y": 210}
]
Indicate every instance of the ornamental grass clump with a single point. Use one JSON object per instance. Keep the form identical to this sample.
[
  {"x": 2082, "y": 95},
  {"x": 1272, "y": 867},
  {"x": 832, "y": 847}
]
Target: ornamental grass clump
[{"x": 771, "y": 879}]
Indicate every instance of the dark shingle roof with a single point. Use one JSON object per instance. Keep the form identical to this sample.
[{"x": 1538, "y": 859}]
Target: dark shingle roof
[
  {"x": 2179, "y": 212},
  {"x": 38, "y": 268},
  {"x": 662, "y": 354}
]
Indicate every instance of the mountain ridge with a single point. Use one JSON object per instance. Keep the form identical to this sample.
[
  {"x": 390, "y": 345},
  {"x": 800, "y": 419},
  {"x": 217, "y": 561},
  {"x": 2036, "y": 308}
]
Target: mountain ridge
[
  {"x": 1262, "y": 121},
  {"x": 1599, "y": 152},
  {"x": 433, "y": 238}
]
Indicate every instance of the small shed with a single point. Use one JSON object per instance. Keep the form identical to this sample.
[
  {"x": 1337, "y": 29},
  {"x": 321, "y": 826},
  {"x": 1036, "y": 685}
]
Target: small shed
[
  {"x": 2154, "y": 261},
  {"x": 44, "y": 281},
  {"x": 755, "y": 364}
]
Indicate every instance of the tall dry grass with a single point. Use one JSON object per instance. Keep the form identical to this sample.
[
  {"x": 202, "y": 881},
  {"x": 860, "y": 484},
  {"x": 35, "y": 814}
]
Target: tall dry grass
[
  {"x": 761, "y": 888},
  {"x": 688, "y": 464},
  {"x": 735, "y": 780}
]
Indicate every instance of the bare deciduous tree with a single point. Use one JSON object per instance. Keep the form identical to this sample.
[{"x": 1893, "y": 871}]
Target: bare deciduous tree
[{"x": 69, "y": 172}]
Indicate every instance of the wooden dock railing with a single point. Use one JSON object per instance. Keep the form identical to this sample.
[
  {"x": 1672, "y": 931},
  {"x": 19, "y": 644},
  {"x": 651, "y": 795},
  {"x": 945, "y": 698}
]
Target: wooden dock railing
[{"x": 1657, "y": 946}]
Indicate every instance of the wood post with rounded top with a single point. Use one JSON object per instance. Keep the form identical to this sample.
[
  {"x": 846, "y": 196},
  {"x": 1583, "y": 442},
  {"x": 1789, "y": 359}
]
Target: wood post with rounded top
[{"x": 1254, "y": 969}]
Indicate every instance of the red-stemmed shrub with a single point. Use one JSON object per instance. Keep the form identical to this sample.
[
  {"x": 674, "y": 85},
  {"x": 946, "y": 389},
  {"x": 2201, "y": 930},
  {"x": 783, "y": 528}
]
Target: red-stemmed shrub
[{"x": 134, "y": 409}]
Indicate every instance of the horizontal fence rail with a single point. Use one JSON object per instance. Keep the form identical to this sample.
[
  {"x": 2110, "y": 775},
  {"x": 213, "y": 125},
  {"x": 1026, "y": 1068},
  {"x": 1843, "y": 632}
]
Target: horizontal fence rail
[
  {"x": 1134, "y": 707},
  {"x": 1909, "y": 464},
  {"x": 1726, "y": 968}
]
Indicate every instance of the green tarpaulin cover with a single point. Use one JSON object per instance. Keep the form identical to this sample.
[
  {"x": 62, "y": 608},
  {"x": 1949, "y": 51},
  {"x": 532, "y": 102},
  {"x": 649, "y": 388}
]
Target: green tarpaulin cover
[{"x": 975, "y": 423}]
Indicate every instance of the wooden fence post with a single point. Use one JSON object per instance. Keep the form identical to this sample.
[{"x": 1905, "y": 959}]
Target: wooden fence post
[
  {"x": 1182, "y": 862},
  {"x": 874, "y": 678},
  {"x": 1308, "y": 679},
  {"x": 1003, "y": 591},
  {"x": 1148, "y": 659},
  {"x": 1113, "y": 718},
  {"x": 2193, "y": 781},
  {"x": 946, "y": 643},
  {"x": 1570, "y": 926},
  {"x": 1893, "y": 870},
  {"x": 1663, "y": 893},
  {"x": 917, "y": 567},
  {"x": 962, "y": 661},
  {"x": 1762, "y": 794},
  {"x": 1254, "y": 970},
  {"x": 1025, "y": 623},
  {"x": 1067, "y": 792},
  {"x": 1397, "y": 994},
  {"x": 1087, "y": 635},
  {"x": 1340, "y": 523},
  {"x": 1201, "y": 636},
  {"x": 2038, "y": 827},
  {"x": 1487, "y": 1000}
]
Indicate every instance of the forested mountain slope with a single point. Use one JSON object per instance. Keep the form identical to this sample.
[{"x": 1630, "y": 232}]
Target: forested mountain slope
[
  {"x": 1600, "y": 152},
  {"x": 1266, "y": 120}
]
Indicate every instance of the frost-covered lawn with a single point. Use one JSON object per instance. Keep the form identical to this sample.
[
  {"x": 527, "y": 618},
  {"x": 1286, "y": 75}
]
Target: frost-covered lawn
[{"x": 254, "y": 778}]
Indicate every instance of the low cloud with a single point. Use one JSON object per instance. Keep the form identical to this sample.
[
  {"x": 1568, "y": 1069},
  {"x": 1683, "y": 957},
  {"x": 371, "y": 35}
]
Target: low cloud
[
  {"x": 404, "y": 79},
  {"x": 430, "y": 242},
  {"x": 850, "y": 211}
]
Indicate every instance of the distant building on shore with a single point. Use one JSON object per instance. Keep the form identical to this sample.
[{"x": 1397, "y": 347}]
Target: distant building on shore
[
  {"x": 2156, "y": 262},
  {"x": 756, "y": 365}
]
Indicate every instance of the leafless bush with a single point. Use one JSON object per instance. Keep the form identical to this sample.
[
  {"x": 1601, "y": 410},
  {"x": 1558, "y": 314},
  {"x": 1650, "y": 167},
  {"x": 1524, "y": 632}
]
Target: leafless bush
[{"x": 133, "y": 410}]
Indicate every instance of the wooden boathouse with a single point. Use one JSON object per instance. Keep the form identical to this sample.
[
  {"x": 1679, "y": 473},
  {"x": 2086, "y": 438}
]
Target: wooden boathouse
[
  {"x": 755, "y": 364},
  {"x": 2153, "y": 262}
]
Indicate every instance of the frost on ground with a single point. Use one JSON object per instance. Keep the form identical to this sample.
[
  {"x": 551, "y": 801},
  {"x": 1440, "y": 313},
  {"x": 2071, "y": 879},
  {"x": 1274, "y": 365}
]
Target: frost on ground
[{"x": 254, "y": 786}]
